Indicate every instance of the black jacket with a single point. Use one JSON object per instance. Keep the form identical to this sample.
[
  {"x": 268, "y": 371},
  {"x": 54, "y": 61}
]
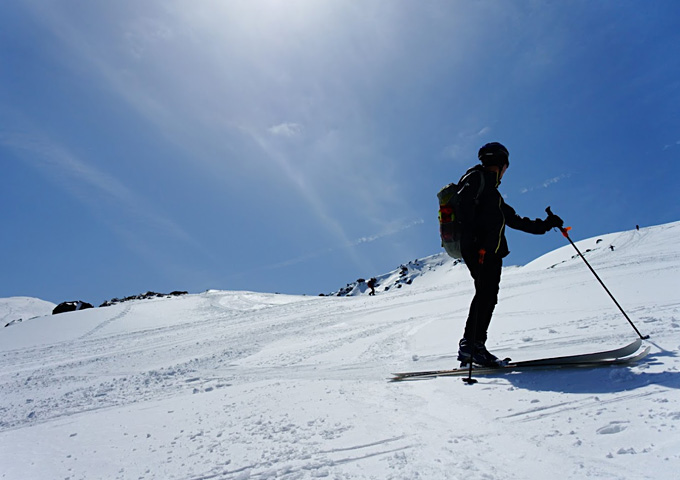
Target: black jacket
[{"x": 485, "y": 214}]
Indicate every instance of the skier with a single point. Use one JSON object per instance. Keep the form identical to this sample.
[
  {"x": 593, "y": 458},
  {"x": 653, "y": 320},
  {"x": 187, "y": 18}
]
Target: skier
[
  {"x": 484, "y": 215},
  {"x": 371, "y": 285}
]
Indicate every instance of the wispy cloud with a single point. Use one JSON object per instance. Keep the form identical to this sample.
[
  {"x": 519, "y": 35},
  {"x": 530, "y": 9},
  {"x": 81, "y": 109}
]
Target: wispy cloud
[
  {"x": 145, "y": 33},
  {"x": 547, "y": 183},
  {"x": 387, "y": 232},
  {"x": 391, "y": 230},
  {"x": 666, "y": 147},
  {"x": 468, "y": 142},
  {"x": 286, "y": 130},
  {"x": 94, "y": 188},
  {"x": 297, "y": 179},
  {"x": 214, "y": 87}
]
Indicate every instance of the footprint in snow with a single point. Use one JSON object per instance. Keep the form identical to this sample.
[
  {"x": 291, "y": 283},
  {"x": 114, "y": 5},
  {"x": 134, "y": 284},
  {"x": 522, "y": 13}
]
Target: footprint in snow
[{"x": 613, "y": 427}]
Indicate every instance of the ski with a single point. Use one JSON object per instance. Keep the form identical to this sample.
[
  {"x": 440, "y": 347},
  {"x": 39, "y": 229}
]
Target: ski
[
  {"x": 519, "y": 368},
  {"x": 624, "y": 351},
  {"x": 608, "y": 357}
]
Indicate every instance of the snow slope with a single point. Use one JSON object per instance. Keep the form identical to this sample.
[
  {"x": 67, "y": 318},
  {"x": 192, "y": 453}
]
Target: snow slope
[
  {"x": 244, "y": 385},
  {"x": 18, "y": 309}
]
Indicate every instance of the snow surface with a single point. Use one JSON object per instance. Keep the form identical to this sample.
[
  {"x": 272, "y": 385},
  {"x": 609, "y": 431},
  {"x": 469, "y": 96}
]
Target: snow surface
[
  {"x": 18, "y": 309},
  {"x": 244, "y": 385}
]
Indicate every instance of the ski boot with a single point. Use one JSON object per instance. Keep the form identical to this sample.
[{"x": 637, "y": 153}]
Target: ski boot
[{"x": 479, "y": 355}]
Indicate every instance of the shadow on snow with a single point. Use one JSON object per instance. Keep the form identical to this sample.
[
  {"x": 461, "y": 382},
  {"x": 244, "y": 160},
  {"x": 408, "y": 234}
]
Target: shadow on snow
[{"x": 611, "y": 379}]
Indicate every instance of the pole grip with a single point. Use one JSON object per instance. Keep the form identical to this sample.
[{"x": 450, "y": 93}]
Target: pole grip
[{"x": 564, "y": 230}]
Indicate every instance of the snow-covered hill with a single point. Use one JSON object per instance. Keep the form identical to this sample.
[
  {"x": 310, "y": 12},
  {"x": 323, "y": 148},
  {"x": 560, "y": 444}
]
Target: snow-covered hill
[
  {"x": 240, "y": 385},
  {"x": 17, "y": 309},
  {"x": 402, "y": 276}
]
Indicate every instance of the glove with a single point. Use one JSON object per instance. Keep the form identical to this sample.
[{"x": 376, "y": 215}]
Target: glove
[
  {"x": 553, "y": 221},
  {"x": 482, "y": 253}
]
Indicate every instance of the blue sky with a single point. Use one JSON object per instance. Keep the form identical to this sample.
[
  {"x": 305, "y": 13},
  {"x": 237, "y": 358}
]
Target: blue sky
[{"x": 294, "y": 146}]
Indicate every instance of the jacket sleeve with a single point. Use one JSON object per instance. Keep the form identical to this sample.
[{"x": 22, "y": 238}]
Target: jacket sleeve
[{"x": 512, "y": 220}]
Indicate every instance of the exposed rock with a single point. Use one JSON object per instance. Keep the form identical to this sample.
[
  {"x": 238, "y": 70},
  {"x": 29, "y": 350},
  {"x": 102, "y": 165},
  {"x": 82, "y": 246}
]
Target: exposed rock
[
  {"x": 142, "y": 296},
  {"x": 71, "y": 306}
]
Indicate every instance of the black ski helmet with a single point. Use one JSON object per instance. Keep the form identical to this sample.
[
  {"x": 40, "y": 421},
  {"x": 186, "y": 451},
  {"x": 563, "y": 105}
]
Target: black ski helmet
[{"x": 494, "y": 154}]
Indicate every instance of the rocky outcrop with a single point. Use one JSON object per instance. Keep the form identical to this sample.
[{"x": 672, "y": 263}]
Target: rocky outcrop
[
  {"x": 71, "y": 306},
  {"x": 142, "y": 296}
]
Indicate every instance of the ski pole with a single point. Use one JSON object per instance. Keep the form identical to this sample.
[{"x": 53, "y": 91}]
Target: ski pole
[
  {"x": 469, "y": 380},
  {"x": 478, "y": 282},
  {"x": 565, "y": 232}
]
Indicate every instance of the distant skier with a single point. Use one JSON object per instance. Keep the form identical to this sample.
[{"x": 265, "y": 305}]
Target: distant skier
[
  {"x": 484, "y": 215},
  {"x": 371, "y": 285}
]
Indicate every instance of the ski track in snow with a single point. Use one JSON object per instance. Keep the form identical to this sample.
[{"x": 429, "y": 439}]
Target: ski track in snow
[{"x": 243, "y": 385}]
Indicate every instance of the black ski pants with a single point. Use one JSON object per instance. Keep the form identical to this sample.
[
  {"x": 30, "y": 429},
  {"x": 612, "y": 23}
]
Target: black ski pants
[{"x": 487, "y": 277}]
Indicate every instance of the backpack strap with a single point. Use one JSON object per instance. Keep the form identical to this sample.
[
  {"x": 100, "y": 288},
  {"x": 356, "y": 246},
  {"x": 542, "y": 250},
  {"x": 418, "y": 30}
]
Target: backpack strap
[
  {"x": 481, "y": 188},
  {"x": 482, "y": 183}
]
